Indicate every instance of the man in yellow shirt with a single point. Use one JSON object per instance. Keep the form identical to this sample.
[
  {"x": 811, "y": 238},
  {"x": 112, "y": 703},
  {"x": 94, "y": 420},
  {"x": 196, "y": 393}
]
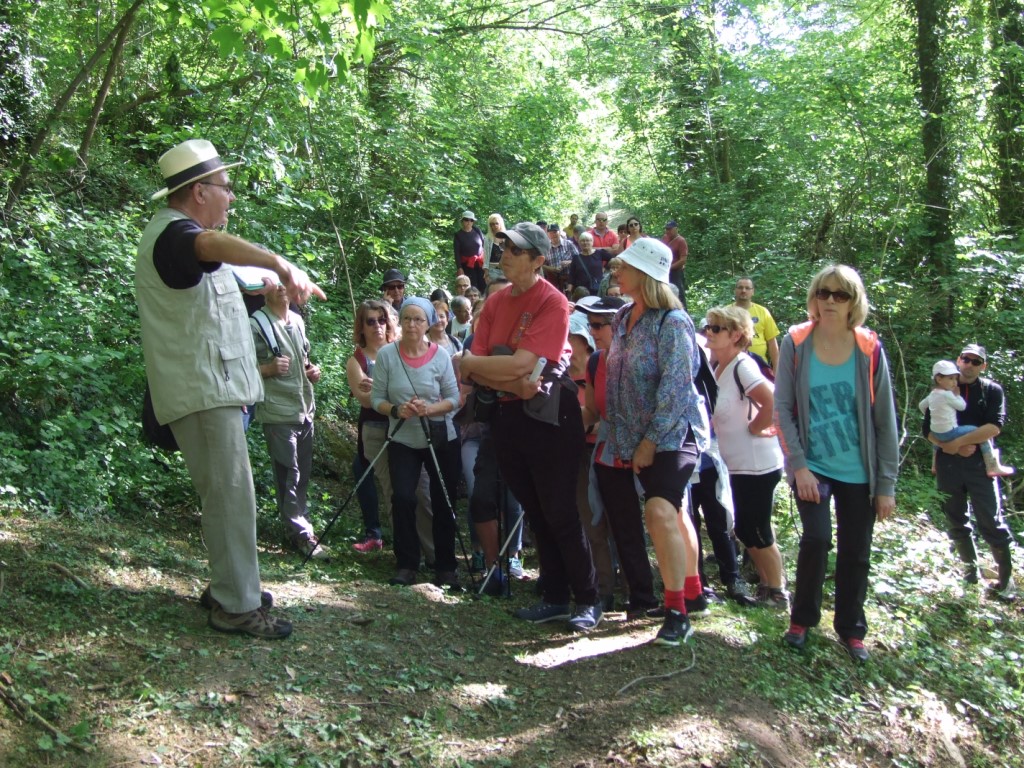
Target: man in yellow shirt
[{"x": 766, "y": 332}]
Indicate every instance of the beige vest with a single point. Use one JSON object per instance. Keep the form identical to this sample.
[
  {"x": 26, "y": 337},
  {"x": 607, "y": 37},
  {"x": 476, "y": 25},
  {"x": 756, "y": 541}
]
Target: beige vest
[{"x": 196, "y": 341}]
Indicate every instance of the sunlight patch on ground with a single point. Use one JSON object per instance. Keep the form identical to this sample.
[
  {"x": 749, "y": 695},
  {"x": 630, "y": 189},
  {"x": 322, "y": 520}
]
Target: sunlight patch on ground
[{"x": 582, "y": 648}]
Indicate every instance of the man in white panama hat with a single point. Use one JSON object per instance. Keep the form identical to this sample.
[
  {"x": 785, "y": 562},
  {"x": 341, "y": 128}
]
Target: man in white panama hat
[{"x": 201, "y": 367}]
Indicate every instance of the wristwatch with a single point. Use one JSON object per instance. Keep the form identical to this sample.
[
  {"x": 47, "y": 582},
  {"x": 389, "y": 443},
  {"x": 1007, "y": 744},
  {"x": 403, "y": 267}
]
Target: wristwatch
[{"x": 394, "y": 411}]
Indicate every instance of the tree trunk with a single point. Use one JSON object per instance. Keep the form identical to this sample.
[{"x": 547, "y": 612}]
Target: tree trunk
[
  {"x": 937, "y": 239},
  {"x": 25, "y": 170},
  {"x": 1007, "y": 107},
  {"x": 104, "y": 89}
]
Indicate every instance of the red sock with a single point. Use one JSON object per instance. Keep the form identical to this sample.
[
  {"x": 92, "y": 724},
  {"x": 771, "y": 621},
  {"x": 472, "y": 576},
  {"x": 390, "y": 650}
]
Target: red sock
[
  {"x": 675, "y": 600},
  {"x": 692, "y": 588}
]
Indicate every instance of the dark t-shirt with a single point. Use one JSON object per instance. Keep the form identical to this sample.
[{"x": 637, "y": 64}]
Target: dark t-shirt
[
  {"x": 174, "y": 255},
  {"x": 468, "y": 244}
]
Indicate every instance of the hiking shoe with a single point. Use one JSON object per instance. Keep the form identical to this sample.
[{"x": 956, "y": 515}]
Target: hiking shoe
[
  {"x": 796, "y": 637},
  {"x": 405, "y": 577},
  {"x": 675, "y": 631},
  {"x": 586, "y": 617},
  {"x": 1007, "y": 593},
  {"x": 206, "y": 599},
  {"x": 637, "y": 611},
  {"x": 697, "y": 607},
  {"x": 773, "y": 597},
  {"x": 543, "y": 612},
  {"x": 258, "y": 623},
  {"x": 478, "y": 565},
  {"x": 855, "y": 647},
  {"x": 494, "y": 586},
  {"x": 449, "y": 579},
  {"x": 312, "y": 548},
  {"x": 739, "y": 592},
  {"x": 515, "y": 568},
  {"x": 369, "y": 544}
]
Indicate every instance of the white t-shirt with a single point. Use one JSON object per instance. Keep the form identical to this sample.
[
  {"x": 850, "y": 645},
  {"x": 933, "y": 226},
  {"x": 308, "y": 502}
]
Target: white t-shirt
[
  {"x": 744, "y": 454},
  {"x": 943, "y": 404}
]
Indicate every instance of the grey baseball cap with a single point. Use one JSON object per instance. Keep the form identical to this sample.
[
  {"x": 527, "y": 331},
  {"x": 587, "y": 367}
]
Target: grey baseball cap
[{"x": 525, "y": 234}]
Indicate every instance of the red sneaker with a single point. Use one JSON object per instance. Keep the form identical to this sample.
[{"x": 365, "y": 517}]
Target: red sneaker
[
  {"x": 796, "y": 637},
  {"x": 369, "y": 544}
]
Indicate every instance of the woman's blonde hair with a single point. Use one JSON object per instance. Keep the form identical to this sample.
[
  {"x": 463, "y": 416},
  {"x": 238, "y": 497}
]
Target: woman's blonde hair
[
  {"x": 372, "y": 305},
  {"x": 850, "y": 282},
  {"x": 498, "y": 218},
  {"x": 734, "y": 319}
]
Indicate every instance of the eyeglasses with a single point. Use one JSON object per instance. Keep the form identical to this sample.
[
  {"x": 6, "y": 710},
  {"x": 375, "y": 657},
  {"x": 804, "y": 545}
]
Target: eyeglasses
[
  {"x": 416, "y": 320},
  {"x": 633, "y": 224},
  {"x": 841, "y": 297},
  {"x": 598, "y": 326},
  {"x": 714, "y": 328},
  {"x": 512, "y": 248},
  {"x": 374, "y": 322},
  {"x": 229, "y": 186},
  {"x": 600, "y": 219},
  {"x": 972, "y": 360},
  {"x": 394, "y": 286}
]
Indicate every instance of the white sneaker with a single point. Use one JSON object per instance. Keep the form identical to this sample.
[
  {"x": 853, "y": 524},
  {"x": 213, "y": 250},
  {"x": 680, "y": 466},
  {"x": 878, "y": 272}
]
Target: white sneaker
[
  {"x": 515, "y": 568},
  {"x": 311, "y": 545}
]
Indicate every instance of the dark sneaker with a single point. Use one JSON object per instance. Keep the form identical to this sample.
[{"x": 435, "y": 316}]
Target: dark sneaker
[
  {"x": 697, "y": 607},
  {"x": 494, "y": 586},
  {"x": 258, "y": 623},
  {"x": 206, "y": 599},
  {"x": 1005, "y": 592},
  {"x": 543, "y": 612},
  {"x": 855, "y": 647},
  {"x": 675, "y": 631},
  {"x": 449, "y": 579},
  {"x": 405, "y": 577},
  {"x": 586, "y": 618},
  {"x": 739, "y": 592},
  {"x": 607, "y": 603},
  {"x": 796, "y": 637},
  {"x": 369, "y": 544},
  {"x": 637, "y": 611}
]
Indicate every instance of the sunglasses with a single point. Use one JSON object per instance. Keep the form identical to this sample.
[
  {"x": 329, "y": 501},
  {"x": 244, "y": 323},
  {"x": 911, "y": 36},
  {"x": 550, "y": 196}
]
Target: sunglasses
[
  {"x": 598, "y": 326},
  {"x": 374, "y": 322},
  {"x": 972, "y": 360},
  {"x": 512, "y": 248},
  {"x": 841, "y": 297},
  {"x": 394, "y": 286},
  {"x": 634, "y": 224},
  {"x": 600, "y": 219},
  {"x": 714, "y": 328}
]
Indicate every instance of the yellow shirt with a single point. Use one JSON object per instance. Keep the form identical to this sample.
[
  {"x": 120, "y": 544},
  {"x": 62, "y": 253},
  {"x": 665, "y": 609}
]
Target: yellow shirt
[{"x": 765, "y": 330}]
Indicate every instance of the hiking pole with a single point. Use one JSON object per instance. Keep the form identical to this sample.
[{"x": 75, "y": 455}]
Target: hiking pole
[
  {"x": 504, "y": 551},
  {"x": 359, "y": 482},
  {"x": 447, "y": 500}
]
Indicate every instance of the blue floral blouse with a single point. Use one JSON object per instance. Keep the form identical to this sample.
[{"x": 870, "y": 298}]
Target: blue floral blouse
[{"x": 650, "y": 383}]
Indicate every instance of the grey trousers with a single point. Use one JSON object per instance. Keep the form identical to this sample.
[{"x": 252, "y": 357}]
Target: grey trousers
[
  {"x": 213, "y": 445},
  {"x": 963, "y": 478},
  {"x": 291, "y": 453}
]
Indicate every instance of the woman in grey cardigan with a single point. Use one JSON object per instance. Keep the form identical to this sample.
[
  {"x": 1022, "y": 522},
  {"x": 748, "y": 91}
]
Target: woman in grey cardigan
[
  {"x": 837, "y": 426},
  {"x": 414, "y": 383}
]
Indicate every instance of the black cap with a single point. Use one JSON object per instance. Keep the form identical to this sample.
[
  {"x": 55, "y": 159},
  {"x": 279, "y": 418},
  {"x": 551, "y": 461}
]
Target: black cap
[{"x": 392, "y": 276}]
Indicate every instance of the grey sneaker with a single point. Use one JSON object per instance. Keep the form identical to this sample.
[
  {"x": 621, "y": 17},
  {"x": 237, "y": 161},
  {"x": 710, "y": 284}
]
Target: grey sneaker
[
  {"x": 311, "y": 545},
  {"x": 586, "y": 617},
  {"x": 515, "y": 568},
  {"x": 773, "y": 597},
  {"x": 542, "y": 613},
  {"x": 675, "y": 631},
  {"x": 206, "y": 599},
  {"x": 739, "y": 591},
  {"x": 258, "y": 623}
]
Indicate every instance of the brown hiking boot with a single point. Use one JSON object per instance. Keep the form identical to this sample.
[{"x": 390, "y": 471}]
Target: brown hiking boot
[
  {"x": 206, "y": 599},
  {"x": 258, "y": 623}
]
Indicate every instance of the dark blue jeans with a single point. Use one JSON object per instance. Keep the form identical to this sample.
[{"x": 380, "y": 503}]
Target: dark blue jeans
[
  {"x": 366, "y": 494},
  {"x": 716, "y": 520},
  {"x": 855, "y": 525},
  {"x": 406, "y": 464}
]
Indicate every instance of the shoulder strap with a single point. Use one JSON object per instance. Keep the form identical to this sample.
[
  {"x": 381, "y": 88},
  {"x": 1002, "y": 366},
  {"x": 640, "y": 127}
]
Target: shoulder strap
[{"x": 266, "y": 327}]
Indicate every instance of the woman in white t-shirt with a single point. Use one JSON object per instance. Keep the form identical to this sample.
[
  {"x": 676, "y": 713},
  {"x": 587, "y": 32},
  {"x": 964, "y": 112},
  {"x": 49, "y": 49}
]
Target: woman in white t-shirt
[{"x": 748, "y": 444}]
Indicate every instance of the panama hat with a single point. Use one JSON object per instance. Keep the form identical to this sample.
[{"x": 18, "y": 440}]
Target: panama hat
[{"x": 189, "y": 162}]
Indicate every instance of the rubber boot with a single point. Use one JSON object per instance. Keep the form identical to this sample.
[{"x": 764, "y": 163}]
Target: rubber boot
[
  {"x": 1004, "y": 587},
  {"x": 993, "y": 467},
  {"x": 968, "y": 555}
]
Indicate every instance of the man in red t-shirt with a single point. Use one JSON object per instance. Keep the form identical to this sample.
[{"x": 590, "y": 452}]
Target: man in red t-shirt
[
  {"x": 603, "y": 237},
  {"x": 677, "y": 270}
]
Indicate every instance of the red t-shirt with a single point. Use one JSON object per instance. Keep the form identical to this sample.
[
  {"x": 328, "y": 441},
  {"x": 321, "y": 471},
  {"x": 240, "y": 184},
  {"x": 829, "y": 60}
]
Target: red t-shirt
[
  {"x": 536, "y": 320},
  {"x": 678, "y": 246},
  {"x": 607, "y": 240}
]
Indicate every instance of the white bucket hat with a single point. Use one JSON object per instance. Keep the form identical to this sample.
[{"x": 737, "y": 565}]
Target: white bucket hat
[
  {"x": 188, "y": 162},
  {"x": 650, "y": 256}
]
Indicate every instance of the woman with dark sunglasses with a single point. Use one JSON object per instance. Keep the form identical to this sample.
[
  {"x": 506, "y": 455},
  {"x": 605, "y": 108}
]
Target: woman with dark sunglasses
[
  {"x": 837, "y": 424},
  {"x": 373, "y": 329}
]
